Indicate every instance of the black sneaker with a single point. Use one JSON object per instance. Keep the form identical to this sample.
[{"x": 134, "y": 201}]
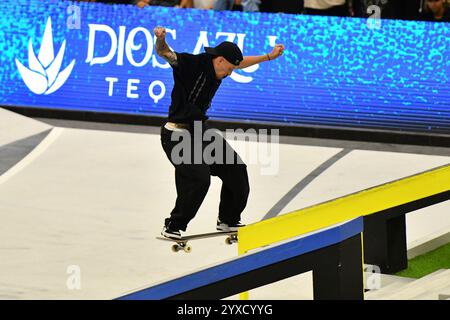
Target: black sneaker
[
  {"x": 228, "y": 227},
  {"x": 173, "y": 234}
]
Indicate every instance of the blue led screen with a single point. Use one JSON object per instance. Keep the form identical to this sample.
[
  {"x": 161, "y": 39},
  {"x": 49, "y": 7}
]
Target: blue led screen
[{"x": 343, "y": 72}]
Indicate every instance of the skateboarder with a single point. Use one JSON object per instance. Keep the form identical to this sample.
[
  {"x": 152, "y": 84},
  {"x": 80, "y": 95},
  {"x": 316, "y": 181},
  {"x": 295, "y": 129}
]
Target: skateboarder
[{"x": 196, "y": 80}]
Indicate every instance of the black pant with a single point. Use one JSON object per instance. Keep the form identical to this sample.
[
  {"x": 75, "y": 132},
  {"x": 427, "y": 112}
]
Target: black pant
[{"x": 192, "y": 183}]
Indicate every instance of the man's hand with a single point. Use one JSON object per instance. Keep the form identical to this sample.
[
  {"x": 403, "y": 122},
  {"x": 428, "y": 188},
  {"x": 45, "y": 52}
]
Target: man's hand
[
  {"x": 162, "y": 49},
  {"x": 276, "y": 52},
  {"x": 249, "y": 61},
  {"x": 160, "y": 32}
]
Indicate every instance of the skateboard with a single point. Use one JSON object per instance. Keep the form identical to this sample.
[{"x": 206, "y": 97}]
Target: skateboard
[{"x": 182, "y": 244}]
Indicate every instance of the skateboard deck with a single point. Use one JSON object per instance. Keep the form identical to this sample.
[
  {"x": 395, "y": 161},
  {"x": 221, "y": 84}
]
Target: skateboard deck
[{"x": 182, "y": 244}]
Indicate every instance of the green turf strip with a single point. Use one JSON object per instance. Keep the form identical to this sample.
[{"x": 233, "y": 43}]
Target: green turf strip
[{"x": 428, "y": 263}]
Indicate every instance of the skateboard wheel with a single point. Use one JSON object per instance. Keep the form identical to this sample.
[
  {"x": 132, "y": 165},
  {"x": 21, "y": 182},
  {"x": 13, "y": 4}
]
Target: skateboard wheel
[
  {"x": 175, "y": 248},
  {"x": 228, "y": 240},
  {"x": 187, "y": 249}
]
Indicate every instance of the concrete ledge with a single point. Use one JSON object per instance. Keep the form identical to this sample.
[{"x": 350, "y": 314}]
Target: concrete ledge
[{"x": 428, "y": 244}]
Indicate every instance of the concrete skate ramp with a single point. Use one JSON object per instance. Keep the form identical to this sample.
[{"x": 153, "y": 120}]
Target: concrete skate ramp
[{"x": 14, "y": 127}]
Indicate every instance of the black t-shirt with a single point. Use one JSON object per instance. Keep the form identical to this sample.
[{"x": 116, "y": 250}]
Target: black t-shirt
[{"x": 195, "y": 85}]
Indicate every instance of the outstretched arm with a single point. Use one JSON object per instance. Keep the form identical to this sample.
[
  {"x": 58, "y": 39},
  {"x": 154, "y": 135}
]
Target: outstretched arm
[
  {"x": 162, "y": 48},
  {"x": 251, "y": 60}
]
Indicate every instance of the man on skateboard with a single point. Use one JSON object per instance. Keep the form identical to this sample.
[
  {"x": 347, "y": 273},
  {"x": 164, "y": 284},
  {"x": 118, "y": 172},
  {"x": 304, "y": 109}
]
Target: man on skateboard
[{"x": 196, "y": 80}]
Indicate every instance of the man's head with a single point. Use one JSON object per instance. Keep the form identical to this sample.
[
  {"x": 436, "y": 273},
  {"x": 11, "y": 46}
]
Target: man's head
[
  {"x": 227, "y": 57},
  {"x": 141, "y": 3},
  {"x": 436, "y": 6}
]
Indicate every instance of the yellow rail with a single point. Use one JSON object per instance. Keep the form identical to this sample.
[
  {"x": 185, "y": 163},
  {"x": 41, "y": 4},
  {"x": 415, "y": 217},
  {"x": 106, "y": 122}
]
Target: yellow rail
[{"x": 345, "y": 208}]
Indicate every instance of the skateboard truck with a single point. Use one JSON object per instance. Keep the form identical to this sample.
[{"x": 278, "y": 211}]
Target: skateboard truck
[{"x": 182, "y": 246}]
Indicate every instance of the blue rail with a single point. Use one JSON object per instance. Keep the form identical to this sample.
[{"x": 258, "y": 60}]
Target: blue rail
[{"x": 249, "y": 262}]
